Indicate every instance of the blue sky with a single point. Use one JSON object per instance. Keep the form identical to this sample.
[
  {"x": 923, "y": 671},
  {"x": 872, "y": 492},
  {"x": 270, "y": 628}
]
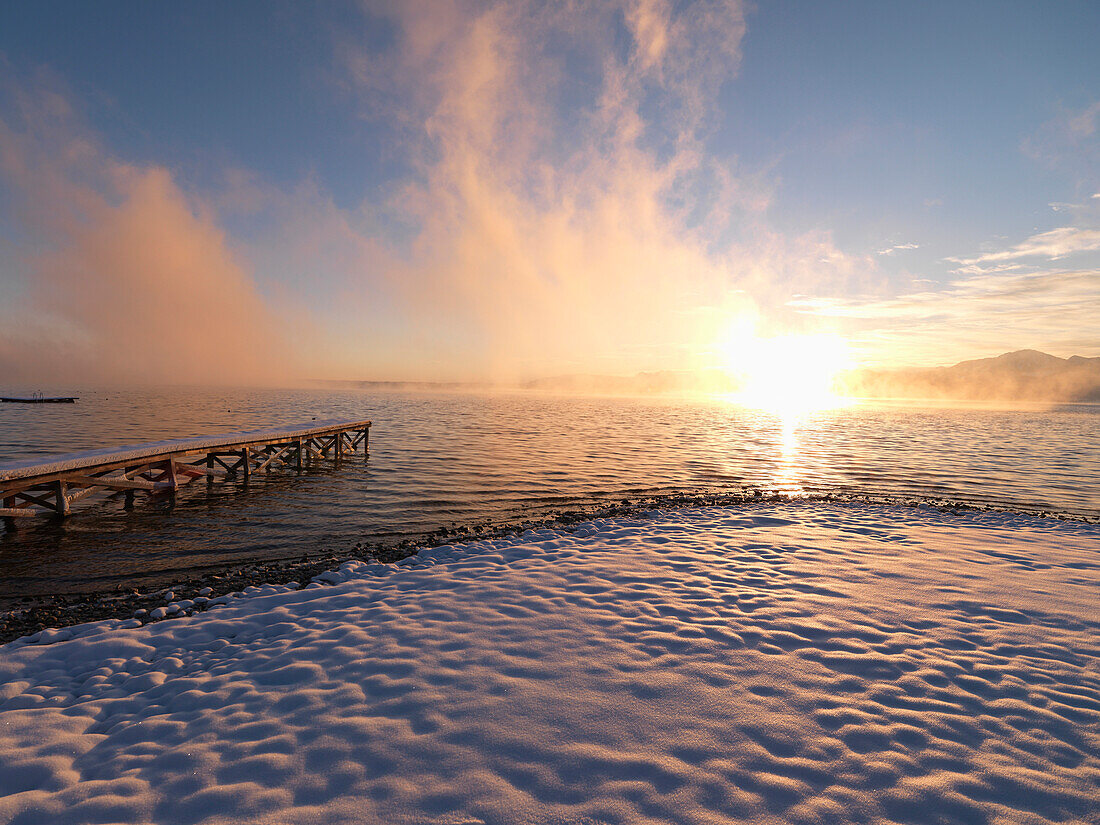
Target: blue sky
[
  {"x": 481, "y": 189},
  {"x": 875, "y": 112}
]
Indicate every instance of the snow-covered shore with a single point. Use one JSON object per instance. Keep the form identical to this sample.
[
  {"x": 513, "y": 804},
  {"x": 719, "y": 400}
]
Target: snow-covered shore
[{"x": 779, "y": 662}]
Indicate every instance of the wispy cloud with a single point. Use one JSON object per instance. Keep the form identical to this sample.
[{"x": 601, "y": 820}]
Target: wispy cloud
[
  {"x": 1070, "y": 142},
  {"x": 1084, "y": 124},
  {"x": 1053, "y": 244},
  {"x": 562, "y": 211},
  {"x": 573, "y": 218},
  {"x": 980, "y": 315},
  {"x": 890, "y": 250}
]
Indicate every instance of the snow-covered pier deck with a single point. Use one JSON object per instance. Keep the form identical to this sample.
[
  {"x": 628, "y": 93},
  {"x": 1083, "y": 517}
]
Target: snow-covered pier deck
[{"x": 29, "y": 488}]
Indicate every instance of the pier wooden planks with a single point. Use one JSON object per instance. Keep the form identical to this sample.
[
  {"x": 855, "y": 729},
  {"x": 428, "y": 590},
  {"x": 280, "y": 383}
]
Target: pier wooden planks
[{"x": 52, "y": 487}]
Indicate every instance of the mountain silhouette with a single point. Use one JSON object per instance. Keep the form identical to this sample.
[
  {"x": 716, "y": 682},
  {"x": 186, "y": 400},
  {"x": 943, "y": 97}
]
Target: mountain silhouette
[{"x": 1024, "y": 375}]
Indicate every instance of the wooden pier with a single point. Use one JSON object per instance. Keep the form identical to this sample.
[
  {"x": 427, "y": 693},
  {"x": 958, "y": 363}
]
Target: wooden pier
[
  {"x": 39, "y": 399},
  {"x": 51, "y": 487}
]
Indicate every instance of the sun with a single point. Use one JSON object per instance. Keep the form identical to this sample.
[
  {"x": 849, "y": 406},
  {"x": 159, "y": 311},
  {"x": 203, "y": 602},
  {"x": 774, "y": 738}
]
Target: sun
[{"x": 789, "y": 374}]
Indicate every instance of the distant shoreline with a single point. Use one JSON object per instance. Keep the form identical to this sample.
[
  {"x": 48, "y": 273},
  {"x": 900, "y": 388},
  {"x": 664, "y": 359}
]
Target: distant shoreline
[{"x": 1024, "y": 376}]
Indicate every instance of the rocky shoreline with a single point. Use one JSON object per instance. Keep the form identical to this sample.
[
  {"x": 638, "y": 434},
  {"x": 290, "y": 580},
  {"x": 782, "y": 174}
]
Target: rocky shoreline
[{"x": 35, "y": 613}]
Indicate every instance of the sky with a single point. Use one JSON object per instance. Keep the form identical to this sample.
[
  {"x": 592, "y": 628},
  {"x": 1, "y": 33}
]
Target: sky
[{"x": 270, "y": 191}]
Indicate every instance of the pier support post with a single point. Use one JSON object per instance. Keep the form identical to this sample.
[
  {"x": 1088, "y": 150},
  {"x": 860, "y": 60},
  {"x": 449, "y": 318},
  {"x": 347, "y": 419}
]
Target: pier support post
[
  {"x": 10, "y": 523},
  {"x": 246, "y": 466},
  {"x": 62, "y": 499},
  {"x": 170, "y": 473},
  {"x": 298, "y": 458}
]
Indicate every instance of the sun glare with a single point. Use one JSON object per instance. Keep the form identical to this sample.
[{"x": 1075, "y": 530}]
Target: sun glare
[{"x": 789, "y": 374}]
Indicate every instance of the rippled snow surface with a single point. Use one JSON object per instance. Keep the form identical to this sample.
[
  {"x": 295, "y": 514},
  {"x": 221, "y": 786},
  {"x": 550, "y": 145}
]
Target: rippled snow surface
[
  {"x": 798, "y": 663},
  {"x": 443, "y": 459}
]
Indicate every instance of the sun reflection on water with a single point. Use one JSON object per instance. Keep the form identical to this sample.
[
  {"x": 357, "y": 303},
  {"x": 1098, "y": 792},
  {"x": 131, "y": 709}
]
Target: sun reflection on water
[
  {"x": 788, "y": 380},
  {"x": 791, "y": 440},
  {"x": 788, "y": 471}
]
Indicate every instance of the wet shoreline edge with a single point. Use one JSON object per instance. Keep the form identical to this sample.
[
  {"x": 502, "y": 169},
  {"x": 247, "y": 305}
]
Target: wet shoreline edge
[{"x": 36, "y": 613}]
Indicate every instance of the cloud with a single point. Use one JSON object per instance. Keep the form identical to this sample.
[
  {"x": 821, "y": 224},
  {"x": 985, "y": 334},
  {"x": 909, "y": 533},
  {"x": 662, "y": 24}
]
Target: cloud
[
  {"x": 897, "y": 248},
  {"x": 981, "y": 315},
  {"x": 565, "y": 206},
  {"x": 126, "y": 276},
  {"x": 1084, "y": 124},
  {"x": 1070, "y": 142},
  {"x": 558, "y": 209},
  {"x": 1053, "y": 244}
]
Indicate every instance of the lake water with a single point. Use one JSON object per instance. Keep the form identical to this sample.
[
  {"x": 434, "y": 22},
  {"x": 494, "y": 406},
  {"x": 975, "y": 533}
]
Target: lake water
[{"x": 459, "y": 459}]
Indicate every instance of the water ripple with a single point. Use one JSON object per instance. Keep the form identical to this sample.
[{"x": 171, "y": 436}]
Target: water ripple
[{"x": 440, "y": 460}]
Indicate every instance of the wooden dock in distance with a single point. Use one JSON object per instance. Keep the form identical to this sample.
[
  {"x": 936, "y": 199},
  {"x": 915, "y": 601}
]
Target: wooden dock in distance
[
  {"x": 30, "y": 488},
  {"x": 39, "y": 399}
]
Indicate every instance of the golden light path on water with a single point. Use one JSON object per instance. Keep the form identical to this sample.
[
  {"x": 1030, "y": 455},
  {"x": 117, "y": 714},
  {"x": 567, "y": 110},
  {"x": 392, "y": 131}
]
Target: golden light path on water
[
  {"x": 791, "y": 428},
  {"x": 789, "y": 379}
]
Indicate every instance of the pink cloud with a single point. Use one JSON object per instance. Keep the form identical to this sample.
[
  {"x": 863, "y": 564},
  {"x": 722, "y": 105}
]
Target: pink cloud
[{"x": 128, "y": 278}]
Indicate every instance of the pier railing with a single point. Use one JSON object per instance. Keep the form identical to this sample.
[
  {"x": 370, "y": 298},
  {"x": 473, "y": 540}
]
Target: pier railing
[{"x": 51, "y": 487}]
